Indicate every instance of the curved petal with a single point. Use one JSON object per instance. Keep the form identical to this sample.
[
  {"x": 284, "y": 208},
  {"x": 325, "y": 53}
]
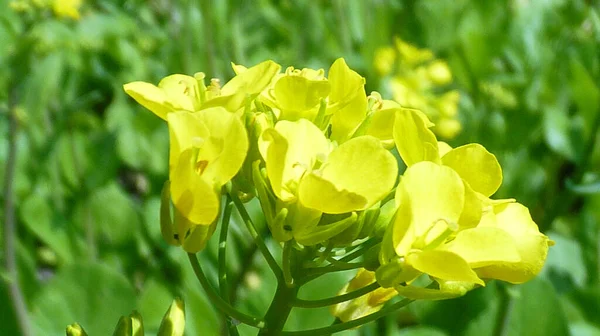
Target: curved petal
[
  {"x": 514, "y": 218},
  {"x": 226, "y": 147},
  {"x": 414, "y": 140},
  {"x": 360, "y": 169},
  {"x": 318, "y": 193},
  {"x": 252, "y": 80},
  {"x": 195, "y": 198},
  {"x": 445, "y": 265},
  {"x": 289, "y": 150},
  {"x": 186, "y": 130},
  {"x": 436, "y": 194},
  {"x": 349, "y": 99},
  {"x": 477, "y": 166},
  {"x": 150, "y": 97},
  {"x": 472, "y": 211},
  {"x": 296, "y": 95},
  {"x": 484, "y": 246}
]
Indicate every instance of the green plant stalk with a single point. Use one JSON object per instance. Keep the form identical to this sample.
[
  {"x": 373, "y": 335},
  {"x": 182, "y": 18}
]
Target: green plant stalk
[
  {"x": 287, "y": 271},
  {"x": 215, "y": 299},
  {"x": 336, "y": 299},
  {"x": 257, "y": 238},
  {"x": 279, "y": 310},
  {"x": 350, "y": 324},
  {"x": 222, "y": 257},
  {"x": 315, "y": 272},
  {"x": 10, "y": 258}
]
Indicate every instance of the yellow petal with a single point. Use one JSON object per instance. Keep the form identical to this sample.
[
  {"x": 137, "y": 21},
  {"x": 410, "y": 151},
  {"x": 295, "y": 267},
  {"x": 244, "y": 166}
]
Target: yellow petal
[
  {"x": 381, "y": 124},
  {"x": 252, "y": 80},
  {"x": 298, "y": 96},
  {"x": 532, "y": 245},
  {"x": 193, "y": 196},
  {"x": 435, "y": 194},
  {"x": 186, "y": 130},
  {"x": 348, "y": 98},
  {"x": 318, "y": 193},
  {"x": 150, "y": 97},
  {"x": 444, "y": 265},
  {"x": 414, "y": 140},
  {"x": 477, "y": 166},
  {"x": 483, "y": 246},
  {"x": 226, "y": 147},
  {"x": 182, "y": 90},
  {"x": 443, "y": 148},
  {"x": 289, "y": 150},
  {"x": 357, "y": 174},
  {"x": 198, "y": 237},
  {"x": 472, "y": 210}
]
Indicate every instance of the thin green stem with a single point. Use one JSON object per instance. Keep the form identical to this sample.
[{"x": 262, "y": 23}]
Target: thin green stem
[
  {"x": 336, "y": 299},
  {"x": 350, "y": 324},
  {"x": 221, "y": 304},
  {"x": 223, "y": 284},
  {"x": 257, "y": 238},
  {"x": 10, "y": 230},
  {"x": 279, "y": 310},
  {"x": 504, "y": 308},
  {"x": 313, "y": 273},
  {"x": 365, "y": 247},
  {"x": 287, "y": 272}
]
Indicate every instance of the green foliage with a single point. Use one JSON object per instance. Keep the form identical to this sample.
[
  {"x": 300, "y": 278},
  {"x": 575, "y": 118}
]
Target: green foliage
[{"x": 90, "y": 164}]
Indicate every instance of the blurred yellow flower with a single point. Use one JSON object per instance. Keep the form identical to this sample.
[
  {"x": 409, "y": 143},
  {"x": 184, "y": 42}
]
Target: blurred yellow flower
[
  {"x": 66, "y": 8},
  {"x": 416, "y": 81}
]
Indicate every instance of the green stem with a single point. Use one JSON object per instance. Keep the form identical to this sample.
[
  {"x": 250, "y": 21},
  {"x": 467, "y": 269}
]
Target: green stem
[
  {"x": 503, "y": 315},
  {"x": 215, "y": 299},
  {"x": 10, "y": 231},
  {"x": 336, "y": 299},
  {"x": 257, "y": 238},
  {"x": 350, "y": 324},
  {"x": 313, "y": 273},
  {"x": 223, "y": 285},
  {"x": 287, "y": 272},
  {"x": 279, "y": 310}
]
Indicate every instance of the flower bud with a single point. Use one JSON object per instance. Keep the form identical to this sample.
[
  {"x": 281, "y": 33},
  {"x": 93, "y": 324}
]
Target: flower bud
[{"x": 173, "y": 323}]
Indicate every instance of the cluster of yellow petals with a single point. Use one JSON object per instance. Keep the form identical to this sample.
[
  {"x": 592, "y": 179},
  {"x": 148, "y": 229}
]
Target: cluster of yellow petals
[
  {"x": 61, "y": 8},
  {"x": 318, "y": 154},
  {"x": 416, "y": 77}
]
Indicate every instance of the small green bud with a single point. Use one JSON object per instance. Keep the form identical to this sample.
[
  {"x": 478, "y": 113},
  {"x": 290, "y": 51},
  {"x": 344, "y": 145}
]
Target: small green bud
[
  {"x": 395, "y": 272},
  {"x": 123, "y": 327},
  {"x": 173, "y": 323},
  {"x": 372, "y": 258},
  {"x": 75, "y": 330}
]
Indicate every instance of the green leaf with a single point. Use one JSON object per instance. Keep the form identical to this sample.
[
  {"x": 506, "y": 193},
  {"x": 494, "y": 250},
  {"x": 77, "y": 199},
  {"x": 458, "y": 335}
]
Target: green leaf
[
  {"x": 40, "y": 219},
  {"x": 93, "y": 295},
  {"x": 536, "y": 310},
  {"x": 113, "y": 214},
  {"x": 565, "y": 259}
]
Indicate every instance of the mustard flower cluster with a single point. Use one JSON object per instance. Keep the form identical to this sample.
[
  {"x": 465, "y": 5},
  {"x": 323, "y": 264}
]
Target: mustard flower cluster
[
  {"x": 318, "y": 154},
  {"x": 415, "y": 80},
  {"x": 61, "y": 8}
]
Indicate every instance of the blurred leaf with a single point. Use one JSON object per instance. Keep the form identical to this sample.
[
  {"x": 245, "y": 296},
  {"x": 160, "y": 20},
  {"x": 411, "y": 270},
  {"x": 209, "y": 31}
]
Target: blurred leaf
[
  {"x": 473, "y": 314},
  {"x": 47, "y": 225},
  {"x": 536, "y": 310},
  {"x": 565, "y": 260},
  {"x": 114, "y": 214},
  {"x": 94, "y": 295}
]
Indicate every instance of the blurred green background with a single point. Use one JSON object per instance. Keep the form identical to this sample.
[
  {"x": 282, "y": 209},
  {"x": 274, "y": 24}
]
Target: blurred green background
[{"x": 90, "y": 162}]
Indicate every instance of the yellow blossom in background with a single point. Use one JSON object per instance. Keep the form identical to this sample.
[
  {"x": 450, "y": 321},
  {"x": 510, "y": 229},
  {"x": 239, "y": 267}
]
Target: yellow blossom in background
[
  {"x": 66, "y": 8},
  {"x": 415, "y": 82}
]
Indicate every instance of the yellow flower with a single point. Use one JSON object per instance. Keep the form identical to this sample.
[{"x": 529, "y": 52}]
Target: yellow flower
[
  {"x": 445, "y": 224},
  {"x": 207, "y": 149},
  {"x": 185, "y": 93},
  {"x": 309, "y": 176},
  {"x": 66, "y": 8}
]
